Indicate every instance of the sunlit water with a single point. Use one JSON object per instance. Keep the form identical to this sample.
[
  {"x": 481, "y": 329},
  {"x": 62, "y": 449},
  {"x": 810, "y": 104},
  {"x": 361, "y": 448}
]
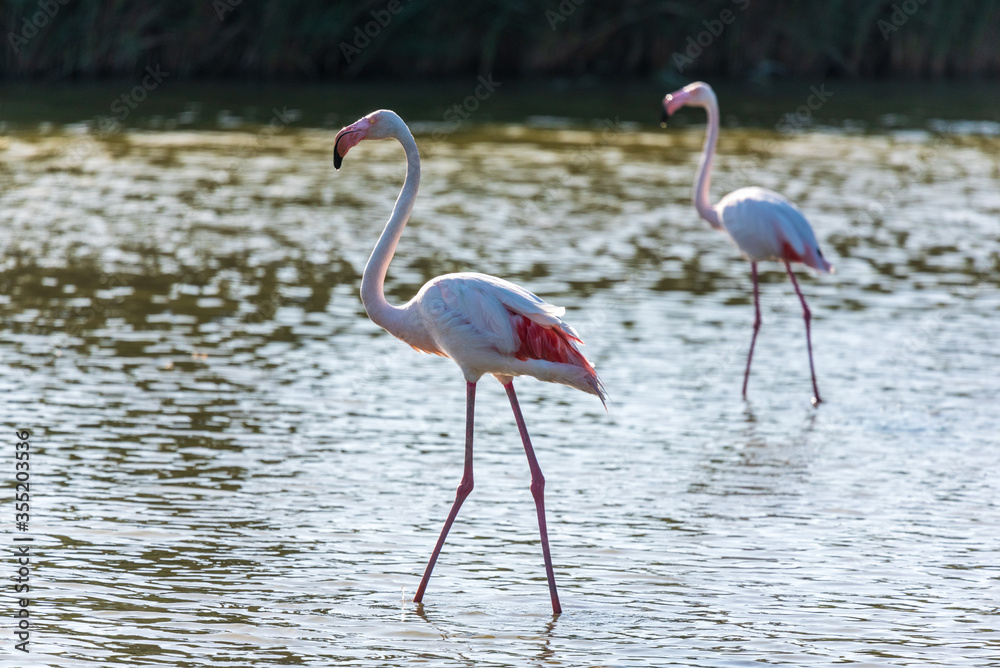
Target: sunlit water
[{"x": 234, "y": 466}]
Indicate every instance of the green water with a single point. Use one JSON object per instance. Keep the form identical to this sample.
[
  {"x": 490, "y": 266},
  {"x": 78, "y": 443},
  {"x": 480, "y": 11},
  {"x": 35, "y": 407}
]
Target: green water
[{"x": 873, "y": 105}]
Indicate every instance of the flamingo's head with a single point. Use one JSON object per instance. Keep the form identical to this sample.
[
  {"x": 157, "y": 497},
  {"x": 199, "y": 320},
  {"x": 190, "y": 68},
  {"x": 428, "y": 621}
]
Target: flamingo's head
[
  {"x": 380, "y": 124},
  {"x": 697, "y": 94}
]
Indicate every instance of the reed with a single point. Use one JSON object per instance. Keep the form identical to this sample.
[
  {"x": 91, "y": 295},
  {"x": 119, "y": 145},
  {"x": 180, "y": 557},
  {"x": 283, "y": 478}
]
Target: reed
[{"x": 314, "y": 40}]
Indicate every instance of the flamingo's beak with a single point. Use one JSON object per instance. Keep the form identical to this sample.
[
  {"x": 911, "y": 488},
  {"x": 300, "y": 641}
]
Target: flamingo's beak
[
  {"x": 338, "y": 157},
  {"x": 672, "y": 103},
  {"x": 348, "y": 138}
]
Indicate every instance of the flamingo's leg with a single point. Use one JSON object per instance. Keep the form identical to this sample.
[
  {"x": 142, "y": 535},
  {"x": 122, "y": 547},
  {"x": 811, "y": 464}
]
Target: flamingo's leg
[
  {"x": 756, "y": 325},
  {"x": 807, "y": 316},
  {"x": 538, "y": 492},
  {"x": 464, "y": 489}
]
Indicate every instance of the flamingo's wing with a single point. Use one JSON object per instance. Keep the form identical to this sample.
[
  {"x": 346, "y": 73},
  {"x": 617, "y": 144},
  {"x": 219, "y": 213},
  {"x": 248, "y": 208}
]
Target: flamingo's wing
[
  {"x": 767, "y": 226},
  {"x": 514, "y": 322},
  {"x": 501, "y": 311}
]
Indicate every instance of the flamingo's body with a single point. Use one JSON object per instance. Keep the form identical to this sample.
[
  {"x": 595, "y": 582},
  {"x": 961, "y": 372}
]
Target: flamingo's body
[
  {"x": 763, "y": 224},
  {"x": 485, "y": 324},
  {"x": 490, "y": 326}
]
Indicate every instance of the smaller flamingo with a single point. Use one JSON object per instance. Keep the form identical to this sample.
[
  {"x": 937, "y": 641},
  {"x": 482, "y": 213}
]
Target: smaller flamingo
[
  {"x": 485, "y": 324},
  {"x": 763, "y": 224}
]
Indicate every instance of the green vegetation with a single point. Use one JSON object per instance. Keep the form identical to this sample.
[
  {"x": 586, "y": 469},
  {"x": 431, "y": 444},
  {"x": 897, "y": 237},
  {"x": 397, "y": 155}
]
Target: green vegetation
[{"x": 314, "y": 40}]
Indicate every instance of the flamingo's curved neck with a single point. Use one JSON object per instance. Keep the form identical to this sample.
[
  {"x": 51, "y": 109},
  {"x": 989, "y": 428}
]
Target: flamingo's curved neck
[
  {"x": 701, "y": 186},
  {"x": 382, "y": 313}
]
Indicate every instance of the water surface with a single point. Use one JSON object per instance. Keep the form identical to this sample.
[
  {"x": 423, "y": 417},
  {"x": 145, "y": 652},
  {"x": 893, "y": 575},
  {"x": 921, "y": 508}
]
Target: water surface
[{"x": 233, "y": 466}]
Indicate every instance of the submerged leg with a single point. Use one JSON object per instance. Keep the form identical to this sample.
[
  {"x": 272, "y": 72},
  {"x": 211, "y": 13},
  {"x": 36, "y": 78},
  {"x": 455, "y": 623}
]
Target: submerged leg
[
  {"x": 464, "y": 488},
  {"x": 807, "y": 316},
  {"x": 756, "y": 325},
  {"x": 538, "y": 492}
]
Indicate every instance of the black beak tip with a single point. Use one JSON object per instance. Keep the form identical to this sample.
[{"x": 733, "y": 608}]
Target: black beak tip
[
  {"x": 664, "y": 117},
  {"x": 338, "y": 159}
]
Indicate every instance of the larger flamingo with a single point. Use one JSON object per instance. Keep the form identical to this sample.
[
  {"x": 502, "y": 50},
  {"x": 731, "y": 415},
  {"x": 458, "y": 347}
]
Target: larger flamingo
[
  {"x": 485, "y": 324},
  {"x": 763, "y": 224}
]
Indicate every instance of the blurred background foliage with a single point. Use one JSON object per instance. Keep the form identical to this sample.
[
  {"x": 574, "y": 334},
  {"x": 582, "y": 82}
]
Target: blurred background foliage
[{"x": 315, "y": 40}]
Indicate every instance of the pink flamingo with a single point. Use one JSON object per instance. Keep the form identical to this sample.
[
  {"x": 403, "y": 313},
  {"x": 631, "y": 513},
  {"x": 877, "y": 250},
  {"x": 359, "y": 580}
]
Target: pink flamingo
[
  {"x": 763, "y": 224},
  {"x": 485, "y": 324}
]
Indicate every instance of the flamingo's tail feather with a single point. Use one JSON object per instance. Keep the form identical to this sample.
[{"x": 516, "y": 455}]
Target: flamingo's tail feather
[{"x": 557, "y": 344}]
